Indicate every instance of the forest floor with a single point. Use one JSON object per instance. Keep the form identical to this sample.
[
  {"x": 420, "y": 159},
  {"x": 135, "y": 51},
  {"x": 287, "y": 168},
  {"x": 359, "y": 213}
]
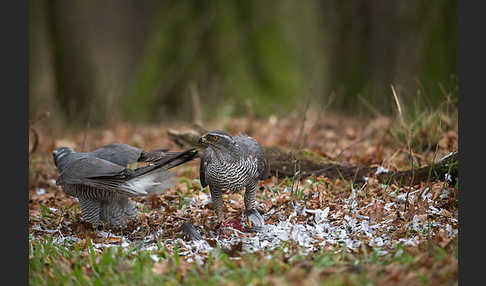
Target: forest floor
[{"x": 318, "y": 230}]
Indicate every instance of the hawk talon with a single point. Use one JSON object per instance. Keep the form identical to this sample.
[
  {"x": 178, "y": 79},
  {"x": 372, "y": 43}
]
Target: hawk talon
[{"x": 255, "y": 219}]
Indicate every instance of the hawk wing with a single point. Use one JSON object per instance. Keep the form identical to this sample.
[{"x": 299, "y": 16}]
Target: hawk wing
[
  {"x": 263, "y": 167},
  {"x": 202, "y": 167},
  {"x": 123, "y": 154},
  {"x": 254, "y": 148},
  {"x": 98, "y": 173},
  {"x": 120, "y": 154}
]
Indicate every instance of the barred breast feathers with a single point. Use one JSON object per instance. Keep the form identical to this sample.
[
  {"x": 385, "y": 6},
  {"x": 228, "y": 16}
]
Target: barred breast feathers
[{"x": 232, "y": 176}]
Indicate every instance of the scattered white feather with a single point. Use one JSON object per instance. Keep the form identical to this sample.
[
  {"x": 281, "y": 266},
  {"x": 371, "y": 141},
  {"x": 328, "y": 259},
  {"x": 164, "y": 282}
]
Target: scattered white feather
[
  {"x": 448, "y": 177},
  {"x": 445, "y": 194},
  {"x": 446, "y": 156},
  {"x": 380, "y": 170}
]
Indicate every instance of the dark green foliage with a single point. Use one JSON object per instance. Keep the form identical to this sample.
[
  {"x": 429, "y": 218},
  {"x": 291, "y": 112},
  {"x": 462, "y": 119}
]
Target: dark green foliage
[{"x": 147, "y": 63}]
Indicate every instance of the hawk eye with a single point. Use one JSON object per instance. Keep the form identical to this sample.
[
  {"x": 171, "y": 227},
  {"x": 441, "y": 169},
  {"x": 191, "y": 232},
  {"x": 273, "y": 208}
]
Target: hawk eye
[{"x": 213, "y": 138}]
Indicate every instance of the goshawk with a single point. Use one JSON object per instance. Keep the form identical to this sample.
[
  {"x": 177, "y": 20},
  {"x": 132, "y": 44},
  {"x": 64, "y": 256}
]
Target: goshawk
[
  {"x": 233, "y": 163},
  {"x": 103, "y": 182}
]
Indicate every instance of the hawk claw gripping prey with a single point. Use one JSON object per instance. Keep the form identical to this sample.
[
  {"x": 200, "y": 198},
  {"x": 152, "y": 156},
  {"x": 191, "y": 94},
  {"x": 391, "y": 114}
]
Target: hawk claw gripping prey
[
  {"x": 233, "y": 163},
  {"x": 103, "y": 183}
]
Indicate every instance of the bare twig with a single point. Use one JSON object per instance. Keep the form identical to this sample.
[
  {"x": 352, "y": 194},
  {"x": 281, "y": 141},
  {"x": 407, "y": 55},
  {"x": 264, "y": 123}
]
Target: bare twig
[
  {"x": 413, "y": 175},
  {"x": 402, "y": 121},
  {"x": 408, "y": 130},
  {"x": 369, "y": 106},
  {"x": 323, "y": 107},
  {"x": 196, "y": 103},
  {"x": 298, "y": 142},
  {"x": 250, "y": 116},
  {"x": 85, "y": 134}
]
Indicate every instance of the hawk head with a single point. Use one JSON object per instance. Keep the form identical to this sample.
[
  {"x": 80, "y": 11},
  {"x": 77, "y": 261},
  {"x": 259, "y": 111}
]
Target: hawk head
[
  {"x": 59, "y": 153},
  {"x": 217, "y": 140}
]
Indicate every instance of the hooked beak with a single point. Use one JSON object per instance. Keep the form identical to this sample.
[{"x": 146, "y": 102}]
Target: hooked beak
[{"x": 203, "y": 141}]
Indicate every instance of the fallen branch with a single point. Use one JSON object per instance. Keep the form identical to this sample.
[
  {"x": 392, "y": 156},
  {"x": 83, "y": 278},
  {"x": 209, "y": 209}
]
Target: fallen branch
[
  {"x": 444, "y": 169},
  {"x": 285, "y": 162}
]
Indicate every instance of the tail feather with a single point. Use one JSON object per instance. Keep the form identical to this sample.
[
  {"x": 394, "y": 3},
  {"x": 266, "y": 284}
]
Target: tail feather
[
  {"x": 170, "y": 160},
  {"x": 152, "y": 183},
  {"x": 155, "y": 178},
  {"x": 174, "y": 159},
  {"x": 152, "y": 155},
  {"x": 164, "y": 181}
]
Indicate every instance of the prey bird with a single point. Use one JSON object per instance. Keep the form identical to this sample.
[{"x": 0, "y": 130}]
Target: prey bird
[
  {"x": 103, "y": 182},
  {"x": 233, "y": 163}
]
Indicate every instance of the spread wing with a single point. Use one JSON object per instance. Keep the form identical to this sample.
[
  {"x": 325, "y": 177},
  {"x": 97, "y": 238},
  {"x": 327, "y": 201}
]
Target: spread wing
[
  {"x": 98, "y": 173},
  {"x": 120, "y": 154},
  {"x": 202, "y": 167}
]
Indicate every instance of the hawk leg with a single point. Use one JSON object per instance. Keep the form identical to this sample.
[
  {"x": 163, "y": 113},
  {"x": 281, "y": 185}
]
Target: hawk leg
[
  {"x": 253, "y": 216},
  {"x": 117, "y": 212},
  {"x": 90, "y": 211},
  {"x": 217, "y": 198}
]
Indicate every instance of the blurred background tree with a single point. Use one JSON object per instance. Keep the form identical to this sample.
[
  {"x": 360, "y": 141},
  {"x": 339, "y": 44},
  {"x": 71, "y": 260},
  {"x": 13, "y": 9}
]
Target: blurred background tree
[{"x": 97, "y": 62}]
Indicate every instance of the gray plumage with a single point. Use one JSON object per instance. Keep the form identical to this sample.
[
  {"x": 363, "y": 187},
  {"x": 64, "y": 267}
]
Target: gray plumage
[
  {"x": 103, "y": 183},
  {"x": 123, "y": 154},
  {"x": 232, "y": 163},
  {"x": 191, "y": 231}
]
